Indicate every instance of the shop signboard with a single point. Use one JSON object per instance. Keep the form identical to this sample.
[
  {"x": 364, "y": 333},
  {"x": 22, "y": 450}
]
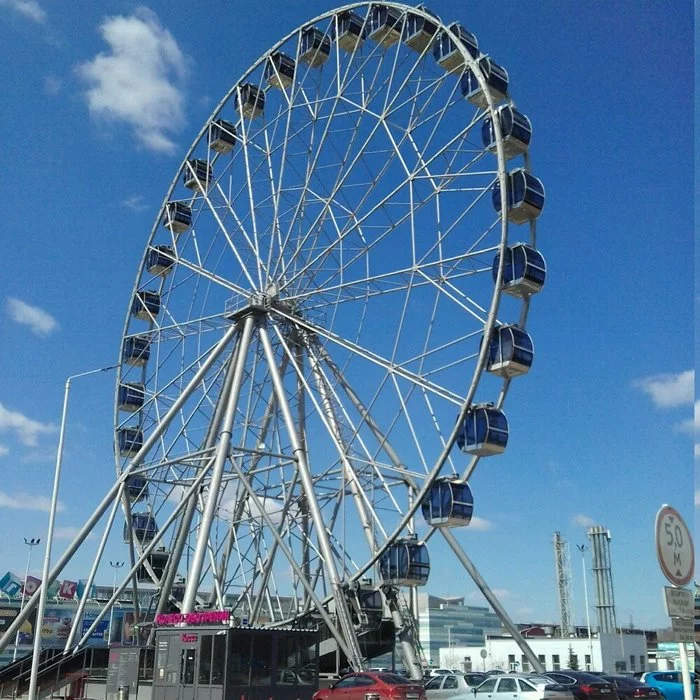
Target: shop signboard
[{"x": 10, "y": 585}]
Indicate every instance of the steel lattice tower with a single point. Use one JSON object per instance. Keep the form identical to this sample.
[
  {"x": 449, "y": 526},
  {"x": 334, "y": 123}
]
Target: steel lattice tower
[{"x": 562, "y": 559}]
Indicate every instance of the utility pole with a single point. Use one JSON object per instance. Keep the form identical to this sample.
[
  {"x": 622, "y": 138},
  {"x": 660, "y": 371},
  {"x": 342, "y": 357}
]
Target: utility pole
[
  {"x": 116, "y": 565},
  {"x": 31, "y": 544}
]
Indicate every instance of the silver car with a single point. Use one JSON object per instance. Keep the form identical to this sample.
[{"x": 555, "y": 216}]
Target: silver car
[
  {"x": 521, "y": 686},
  {"x": 448, "y": 685}
]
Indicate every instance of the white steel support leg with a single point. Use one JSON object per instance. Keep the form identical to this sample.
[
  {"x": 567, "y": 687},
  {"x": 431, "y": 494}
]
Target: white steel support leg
[
  {"x": 491, "y": 598},
  {"x": 148, "y": 444},
  {"x": 355, "y": 656},
  {"x": 222, "y": 450},
  {"x": 353, "y": 481}
]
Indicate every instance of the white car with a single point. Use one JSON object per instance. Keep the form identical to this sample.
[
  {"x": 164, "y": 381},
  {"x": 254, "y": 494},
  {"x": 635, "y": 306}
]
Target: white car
[
  {"x": 521, "y": 686},
  {"x": 449, "y": 685}
]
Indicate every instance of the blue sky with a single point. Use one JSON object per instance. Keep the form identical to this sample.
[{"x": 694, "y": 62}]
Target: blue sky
[{"x": 604, "y": 420}]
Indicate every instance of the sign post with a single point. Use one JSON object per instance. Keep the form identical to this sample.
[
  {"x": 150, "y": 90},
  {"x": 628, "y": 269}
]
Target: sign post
[{"x": 676, "y": 555}]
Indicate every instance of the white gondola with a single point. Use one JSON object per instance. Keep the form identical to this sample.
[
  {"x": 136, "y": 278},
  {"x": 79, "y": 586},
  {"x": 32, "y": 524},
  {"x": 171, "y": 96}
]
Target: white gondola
[
  {"x": 160, "y": 260},
  {"x": 130, "y": 397},
  {"x": 177, "y": 217},
  {"x": 516, "y": 132},
  {"x": 496, "y": 78},
  {"x": 385, "y": 25},
  {"x": 197, "y": 175},
  {"x": 418, "y": 31},
  {"x": 406, "y": 562},
  {"x": 350, "y": 30},
  {"x": 145, "y": 305},
  {"x": 448, "y": 503},
  {"x": 130, "y": 441},
  {"x": 484, "y": 431},
  {"x": 315, "y": 47},
  {"x": 524, "y": 270},
  {"x": 136, "y": 350},
  {"x": 525, "y": 196},
  {"x": 279, "y": 70},
  {"x": 222, "y": 136},
  {"x": 250, "y": 101},
  {"x": 448, "y": 54},
  {"x": 144, "y": 527},
  {"x": 510, "y": 352},
  {"x": 136, "y": 488}
]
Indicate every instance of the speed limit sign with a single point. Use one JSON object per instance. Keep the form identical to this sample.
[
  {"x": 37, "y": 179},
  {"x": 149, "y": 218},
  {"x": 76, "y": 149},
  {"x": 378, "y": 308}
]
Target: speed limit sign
[{"x": 674, "y": 546}]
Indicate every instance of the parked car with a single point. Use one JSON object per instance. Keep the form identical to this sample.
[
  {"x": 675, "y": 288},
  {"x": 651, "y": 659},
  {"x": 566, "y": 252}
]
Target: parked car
[
  {"x": 669, "y": 683},
  {"x": 523, "y": 686},
  {"x": 451, "y": 684},
  {"x": 357, "y": 686},
  {"x": 629, "y": 688},
  {"x": 584, "y": 686},
  {"x": 439, "y": 671}
]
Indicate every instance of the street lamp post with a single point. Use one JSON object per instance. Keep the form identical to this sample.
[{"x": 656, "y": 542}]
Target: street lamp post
[
  {"x": 116, "y": 565},
  {"x": 582, "y": 548},
  {"x": 49, "y": 533},
  {"x": 31, "y": 544}
]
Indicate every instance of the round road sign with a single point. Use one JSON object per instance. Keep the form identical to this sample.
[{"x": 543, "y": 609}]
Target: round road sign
[
  {"x": 674, "y": 546},
  {"x": 483, "y": 653}
]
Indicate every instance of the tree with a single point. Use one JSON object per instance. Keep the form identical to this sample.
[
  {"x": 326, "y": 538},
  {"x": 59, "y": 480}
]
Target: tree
[{"x": 573, "y": 659}]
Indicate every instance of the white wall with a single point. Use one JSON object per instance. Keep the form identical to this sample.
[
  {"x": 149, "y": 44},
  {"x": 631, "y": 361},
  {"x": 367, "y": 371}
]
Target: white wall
[{"x": 606, "y": 650}]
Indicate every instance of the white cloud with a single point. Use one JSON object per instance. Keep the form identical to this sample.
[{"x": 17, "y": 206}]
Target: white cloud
[
  {"x": 31, "y": 9},
  {"x": 39, "y": 321},
  {"x": 480, "y": 524},
  {"x": 26, "y": 429},
  {"x": 135, "y": 203},
  {"x": 27, "y": 501},
  {"x": 4, "y": 450},
  {"x": 68, "y": 532},
  {"x": 583, "y": 520},
  {"x": 52, "y": 85},
  {"x": 668, "y": 390},
  {"x": 139, "y": 80}
]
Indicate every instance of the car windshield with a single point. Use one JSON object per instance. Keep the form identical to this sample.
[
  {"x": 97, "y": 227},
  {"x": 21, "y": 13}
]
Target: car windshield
[{"x": 392, "y": 679}]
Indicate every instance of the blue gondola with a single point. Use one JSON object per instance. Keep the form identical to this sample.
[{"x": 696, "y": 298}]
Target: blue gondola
[
  {"x": 419, "y": 31},
  {"x": 145, "y": 305},
  {"x": 130, "y": 397},
  {"x": 385, "y": 24},
  {"x": 525, "y": 196},
  {"x": 448, "y": 54},
  {"x": 406, "y": 562},
  {"x": 222, "y": 136},
  {"x": 484, "y": 431},
  {"x": 516, "y": 132},
  {"x": 315, "y": 47},
  {"x": 496, "y": 78},
  {"x": 524, "y": 270},
  {"x": 197, "y": 175},
  {"x": 158, "y": 560},
  {"x": 144, "y": 527},
  {"x": 510, "y": 352},
  {"x": 371, "y": 601},
  {"x": 349, "y": 30},
  {"x": 160, "y": 260},
  {"x": 279, "y": 70},
  {"x": 136, "y": 488},
  {"x": 136, "y": 350},
  {"x": 130, "y": 441},
  {"x": 177, "y": 216},
  {"x": 448, "y": 503},
  {"x": 250, "y": 101}
]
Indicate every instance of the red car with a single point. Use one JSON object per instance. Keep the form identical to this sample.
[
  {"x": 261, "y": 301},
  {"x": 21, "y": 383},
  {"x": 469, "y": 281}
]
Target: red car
[{"x": 372, "y": 686}]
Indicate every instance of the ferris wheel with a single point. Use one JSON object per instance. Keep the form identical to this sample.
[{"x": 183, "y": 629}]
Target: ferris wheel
[{"x": 326, "y": 321}]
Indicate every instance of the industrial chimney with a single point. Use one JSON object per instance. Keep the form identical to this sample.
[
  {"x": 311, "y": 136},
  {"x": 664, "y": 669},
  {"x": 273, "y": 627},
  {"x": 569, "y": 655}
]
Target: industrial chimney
[{"x": 602, "y": 577}]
